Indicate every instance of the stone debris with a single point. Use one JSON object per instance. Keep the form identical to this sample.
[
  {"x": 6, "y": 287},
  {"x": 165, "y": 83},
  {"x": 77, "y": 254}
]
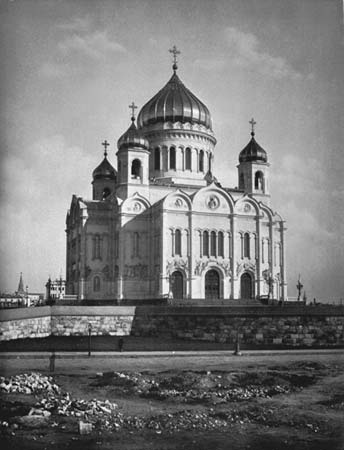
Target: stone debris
[
  {"x": 96, "y": 414},
  {"x": 191, "y": 391},
  {"x": 85, "y": 428},
  {"x": 28, "y": 384}
]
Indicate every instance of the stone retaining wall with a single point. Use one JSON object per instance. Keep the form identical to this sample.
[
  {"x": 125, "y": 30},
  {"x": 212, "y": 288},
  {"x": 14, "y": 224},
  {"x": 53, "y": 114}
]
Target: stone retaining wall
[{"x": 272, "y": 326}]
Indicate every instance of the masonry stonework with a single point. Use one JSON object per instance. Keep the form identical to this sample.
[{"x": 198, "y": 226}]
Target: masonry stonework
[{"x": 273, "y": 327}]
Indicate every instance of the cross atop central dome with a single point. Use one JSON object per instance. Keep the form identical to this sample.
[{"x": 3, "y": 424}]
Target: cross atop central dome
[{"x": 174, "y": 103}]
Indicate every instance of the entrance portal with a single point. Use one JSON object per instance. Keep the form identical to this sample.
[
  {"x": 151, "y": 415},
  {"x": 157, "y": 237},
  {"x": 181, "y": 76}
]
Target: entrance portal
[
  {"x": 246, "y": 288},
  {"x": 212, "y": 285},
  {"x": 177, "y": 284}
]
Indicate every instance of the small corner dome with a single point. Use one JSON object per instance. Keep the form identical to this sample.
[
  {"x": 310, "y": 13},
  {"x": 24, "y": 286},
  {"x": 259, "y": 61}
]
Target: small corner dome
[
  {"x": 174, "y": 103},
  {"x": 253, "y": 152},
  {"x": 104, "y": 171},
  {"x": 132, "y": 138}
]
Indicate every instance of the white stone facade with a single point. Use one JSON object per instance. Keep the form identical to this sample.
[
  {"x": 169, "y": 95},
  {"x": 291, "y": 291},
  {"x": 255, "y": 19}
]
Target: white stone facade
[{"x": 162, "y": 226}]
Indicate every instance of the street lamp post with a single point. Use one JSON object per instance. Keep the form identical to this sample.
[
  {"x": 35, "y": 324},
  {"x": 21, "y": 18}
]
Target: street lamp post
[{"x": 89, "y": 338}]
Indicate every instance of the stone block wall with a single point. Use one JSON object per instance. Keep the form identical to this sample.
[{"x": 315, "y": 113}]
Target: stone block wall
[
  {"x": 270, "y": 326},
  {"x": 27, "y": 328},
  {"x": 270, "y": 330}
]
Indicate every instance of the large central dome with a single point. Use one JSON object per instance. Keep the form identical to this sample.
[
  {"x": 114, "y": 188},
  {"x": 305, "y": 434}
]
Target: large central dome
[{"x": 174, "y": 103}]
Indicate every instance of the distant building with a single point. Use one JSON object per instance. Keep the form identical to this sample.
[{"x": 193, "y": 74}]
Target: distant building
[
  {"x": 22, "y": 298},
  {"x": 55, "y": 289}
]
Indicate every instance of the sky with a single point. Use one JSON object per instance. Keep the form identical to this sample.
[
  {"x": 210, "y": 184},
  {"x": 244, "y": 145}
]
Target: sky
[{"x": 70, "y": 68}]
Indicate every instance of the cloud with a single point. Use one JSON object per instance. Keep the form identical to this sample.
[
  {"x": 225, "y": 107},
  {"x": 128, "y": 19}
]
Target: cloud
[
  {"x": 51, "y": 69},
  {"x": 247, "y": 52},
  {"x": 210, "y": 64},
  {"x": 76, "y": 24},
  {"x": 94, "y": 45}
]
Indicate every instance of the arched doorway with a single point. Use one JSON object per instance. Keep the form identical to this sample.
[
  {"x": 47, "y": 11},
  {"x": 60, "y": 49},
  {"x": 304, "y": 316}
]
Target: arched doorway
[
  {"x": 177, "y": 284},
  {"x": 246, "y": 286},
  {"x": 212, "y": 284}
]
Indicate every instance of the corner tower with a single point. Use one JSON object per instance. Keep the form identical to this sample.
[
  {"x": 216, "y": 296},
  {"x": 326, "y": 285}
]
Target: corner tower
[
  {"x": 253, "y": 169},
  {"x": 104, "y": 178},
  {"x": 132, "y": 161}
]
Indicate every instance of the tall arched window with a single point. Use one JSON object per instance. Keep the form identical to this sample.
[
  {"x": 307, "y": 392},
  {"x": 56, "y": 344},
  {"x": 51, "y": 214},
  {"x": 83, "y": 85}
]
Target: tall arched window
[
  {"x": 172, "y": 158},
  {"x": 157, "y": 159},
  {"x": 206, "y": 243},
  {"x": 259, "y": 181},
  {"x": 96, "y": 250},
  {"x": 136, "y": 168},
  {"x": 213, "y": 243},
  {"x": 201, "y": 161},
  {"x": 96, "y": 284},
  {"x": 178, "y": 243},
  {"x": 220, "y": 244},
  {"x": 188, "y": 159},
  {"x": 246, "y": 245}
]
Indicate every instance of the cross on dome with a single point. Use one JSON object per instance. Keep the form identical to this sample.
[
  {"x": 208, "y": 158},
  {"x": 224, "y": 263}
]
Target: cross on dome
[
  {"x": 253, "y": 123},
  {"x": 132, "y": 107},
  {"x": 105, "y": 144},
  {"x": 175, "y": 52}
]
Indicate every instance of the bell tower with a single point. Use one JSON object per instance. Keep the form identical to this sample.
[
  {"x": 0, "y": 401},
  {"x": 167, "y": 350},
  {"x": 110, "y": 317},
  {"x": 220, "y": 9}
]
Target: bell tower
[
  {"x": 253, "y": 168},
  {"x": 104, "y": 177},
  {"x": 132, "y": 161}
]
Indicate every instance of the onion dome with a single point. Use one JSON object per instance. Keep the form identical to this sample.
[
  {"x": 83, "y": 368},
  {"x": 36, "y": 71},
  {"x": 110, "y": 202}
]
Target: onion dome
[
  {"x": 132, "y": 138},
  {"x": 253, "y": 151},
  {"x": 105, "y": 169},
  {"x": 174, "y": 103}
]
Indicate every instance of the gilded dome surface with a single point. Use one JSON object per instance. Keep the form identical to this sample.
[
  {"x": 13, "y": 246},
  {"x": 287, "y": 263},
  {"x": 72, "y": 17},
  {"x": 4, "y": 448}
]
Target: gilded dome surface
[
  {"x": 253, "y": 152},
  {"x": 132, "y": 138},
  {"x": 174, "y": 103},
  {"x": 104, "y": 170}
]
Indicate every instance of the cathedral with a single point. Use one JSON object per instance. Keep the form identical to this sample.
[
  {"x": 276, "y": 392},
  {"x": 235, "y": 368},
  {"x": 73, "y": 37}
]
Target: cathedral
[{"x": 162, "y": 226}]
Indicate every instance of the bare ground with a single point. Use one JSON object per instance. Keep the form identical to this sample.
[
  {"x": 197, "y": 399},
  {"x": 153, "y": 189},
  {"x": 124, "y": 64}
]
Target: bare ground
[{"x": 294, "y": 405}]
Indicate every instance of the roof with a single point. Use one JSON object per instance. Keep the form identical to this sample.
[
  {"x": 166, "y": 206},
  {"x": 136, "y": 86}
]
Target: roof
[{"x": 174, "y": 103}]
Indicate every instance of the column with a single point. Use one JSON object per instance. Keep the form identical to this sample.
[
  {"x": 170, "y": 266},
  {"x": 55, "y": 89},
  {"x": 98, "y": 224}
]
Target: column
[
  {"x": 283, "y": 264},
  {"x": 258, "y": 256}
]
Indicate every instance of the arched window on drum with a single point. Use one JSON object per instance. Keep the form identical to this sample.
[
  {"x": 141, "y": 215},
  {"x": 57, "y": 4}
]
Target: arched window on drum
[
  {"x": 172, "y": 158},
  {"x": 188, "y": 158}
]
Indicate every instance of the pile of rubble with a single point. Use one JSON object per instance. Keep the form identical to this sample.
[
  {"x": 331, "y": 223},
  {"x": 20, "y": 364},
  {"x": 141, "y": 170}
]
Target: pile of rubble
[
  {"x": 32, "y": 383},
  {"x": 188, "y": 390},
  {"x": 53, "y": 402}
]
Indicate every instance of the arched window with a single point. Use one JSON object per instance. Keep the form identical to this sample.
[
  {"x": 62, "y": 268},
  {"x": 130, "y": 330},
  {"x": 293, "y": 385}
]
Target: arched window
[
  {"x": 220, "y": 244},
  {"x": 106, "y": 192},
  {"x": 213, "y": 243},
  {"x": 157, "y": 159},
  {"x": 96, "y": 284},
  {"x": 206, "y": 243},
  {"x": 188, "y": 159},
  {"x": 172, "y": 158},
  {"x": 259, "y": 181},
  {"x": 242, "y": 181},
  {"x": 178, "y": 243},
  {"x": 96, "y": 250},
  {"x": 246, "y": 245},
  {"x": 201, "y": 161},
  {"x": 136, "y": 168}
]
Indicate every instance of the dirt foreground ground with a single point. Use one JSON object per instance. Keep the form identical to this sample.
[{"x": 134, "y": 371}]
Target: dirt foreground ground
[{"x": 291, "y": 400}]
